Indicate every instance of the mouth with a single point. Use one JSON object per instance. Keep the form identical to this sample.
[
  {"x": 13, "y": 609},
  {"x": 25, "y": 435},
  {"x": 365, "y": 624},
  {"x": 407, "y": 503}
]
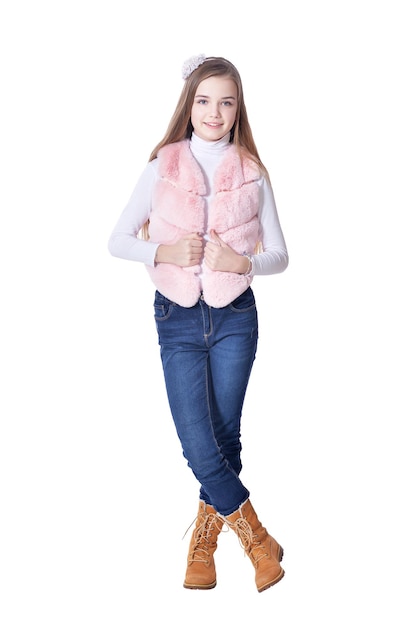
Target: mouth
[{"x": 213, "y": 125}]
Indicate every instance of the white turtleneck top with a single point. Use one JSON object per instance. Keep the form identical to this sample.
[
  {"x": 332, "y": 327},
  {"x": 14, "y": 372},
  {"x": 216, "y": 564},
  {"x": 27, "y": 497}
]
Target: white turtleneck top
[{"x": 124, "y": 242}]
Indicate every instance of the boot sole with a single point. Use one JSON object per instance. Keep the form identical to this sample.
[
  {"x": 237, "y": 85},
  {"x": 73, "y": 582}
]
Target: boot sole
[{"x": 202, "y": 587}]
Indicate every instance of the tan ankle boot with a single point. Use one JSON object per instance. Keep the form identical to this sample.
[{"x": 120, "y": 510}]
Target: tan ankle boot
[
  {"x": 201, "y": 571},
  {"x": 262, "y": 549}
]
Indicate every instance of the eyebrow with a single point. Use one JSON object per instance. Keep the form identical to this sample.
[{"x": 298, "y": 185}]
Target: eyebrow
[{"x": 208, "y": 97}]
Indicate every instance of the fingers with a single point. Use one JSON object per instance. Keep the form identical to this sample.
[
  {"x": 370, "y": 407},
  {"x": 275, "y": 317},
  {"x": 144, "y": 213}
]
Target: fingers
[
  {"x": 190, "y": 250},
  {"x": 195, "y": 236},
  {"x": 215, "y": 237}
]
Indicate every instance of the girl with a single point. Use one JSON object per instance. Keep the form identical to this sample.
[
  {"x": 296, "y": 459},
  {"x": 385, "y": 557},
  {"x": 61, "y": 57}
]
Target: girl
[{"x": 208, "y": 222}]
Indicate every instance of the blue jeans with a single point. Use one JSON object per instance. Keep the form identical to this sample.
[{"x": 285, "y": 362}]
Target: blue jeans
[{"x": 207, "y": 356}]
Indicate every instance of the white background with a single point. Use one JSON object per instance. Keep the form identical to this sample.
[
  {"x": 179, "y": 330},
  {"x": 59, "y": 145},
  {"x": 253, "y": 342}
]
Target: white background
[{"x": 95, "y": 494}]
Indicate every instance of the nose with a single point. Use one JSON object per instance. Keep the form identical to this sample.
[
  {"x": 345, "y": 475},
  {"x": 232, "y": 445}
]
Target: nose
[{"x": 215, "y": 111}]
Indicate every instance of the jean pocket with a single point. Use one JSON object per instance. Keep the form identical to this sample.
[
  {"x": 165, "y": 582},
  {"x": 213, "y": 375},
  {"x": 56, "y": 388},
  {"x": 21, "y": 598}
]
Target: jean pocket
[
  {"x": 162, "y": 306},
  {"x": 244, "y": 302}
]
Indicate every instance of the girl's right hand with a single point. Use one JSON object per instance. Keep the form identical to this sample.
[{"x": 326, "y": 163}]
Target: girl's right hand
[{"x": 186, "y": 252}]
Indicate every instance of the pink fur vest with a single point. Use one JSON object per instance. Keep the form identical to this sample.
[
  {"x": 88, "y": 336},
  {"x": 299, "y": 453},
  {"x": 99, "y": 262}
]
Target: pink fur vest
[{"x": 178, "y": 208}]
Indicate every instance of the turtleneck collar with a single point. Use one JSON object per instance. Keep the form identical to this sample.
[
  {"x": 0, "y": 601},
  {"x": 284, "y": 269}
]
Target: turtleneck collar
[{"x": 200, "y": 146}]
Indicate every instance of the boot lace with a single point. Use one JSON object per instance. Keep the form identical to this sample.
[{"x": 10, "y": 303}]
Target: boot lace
[
  {"x": 202, "y": 537},
  {"x": 249, "y": 541}
]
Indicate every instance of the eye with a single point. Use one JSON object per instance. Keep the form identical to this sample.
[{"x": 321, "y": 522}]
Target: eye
[
  {"x": 201, "y": 101},
  {"x": 227, "y": 103}
]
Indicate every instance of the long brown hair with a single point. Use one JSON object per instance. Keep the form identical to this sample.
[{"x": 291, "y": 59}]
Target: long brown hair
[{"x": 180, "y": 126}]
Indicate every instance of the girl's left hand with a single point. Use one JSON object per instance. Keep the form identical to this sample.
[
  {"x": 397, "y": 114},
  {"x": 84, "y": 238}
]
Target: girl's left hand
[{"x": 221, "y": 257}]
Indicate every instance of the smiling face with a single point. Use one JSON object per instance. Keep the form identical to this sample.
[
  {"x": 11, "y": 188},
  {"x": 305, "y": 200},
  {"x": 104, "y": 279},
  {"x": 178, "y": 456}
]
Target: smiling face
[{"x": 214, "y": 109}]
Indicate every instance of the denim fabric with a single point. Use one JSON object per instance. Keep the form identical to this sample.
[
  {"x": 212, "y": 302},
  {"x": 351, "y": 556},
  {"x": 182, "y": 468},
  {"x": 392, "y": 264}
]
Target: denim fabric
[{"x": 207, "y": 356}]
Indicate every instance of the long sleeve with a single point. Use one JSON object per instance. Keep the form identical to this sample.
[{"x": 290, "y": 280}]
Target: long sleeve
[
  {"x": 124, "y": 242},
  {"x": 274, "y": 256}
]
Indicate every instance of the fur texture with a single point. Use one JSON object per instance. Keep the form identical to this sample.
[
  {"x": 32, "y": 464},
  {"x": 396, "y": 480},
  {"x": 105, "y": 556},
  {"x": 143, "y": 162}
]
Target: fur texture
[{"x": 178, "y": 209}]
